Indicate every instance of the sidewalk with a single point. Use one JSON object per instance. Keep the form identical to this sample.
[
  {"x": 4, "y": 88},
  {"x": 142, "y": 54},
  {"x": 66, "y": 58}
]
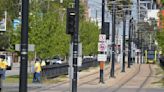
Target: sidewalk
[{"x": 16, "y": 68}]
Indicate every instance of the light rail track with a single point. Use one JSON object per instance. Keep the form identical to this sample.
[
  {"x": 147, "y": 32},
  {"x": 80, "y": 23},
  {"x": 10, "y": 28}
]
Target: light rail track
[{"x": 137, "y": 73}]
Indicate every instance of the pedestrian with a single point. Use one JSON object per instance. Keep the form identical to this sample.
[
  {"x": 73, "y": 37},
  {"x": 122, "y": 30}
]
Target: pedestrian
[
  {"x": 37, "y": 71},
  {"x": 3, "y": 66}
]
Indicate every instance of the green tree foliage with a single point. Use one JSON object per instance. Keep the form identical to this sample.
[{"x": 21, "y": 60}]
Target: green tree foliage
[
  {"x": 12, "y": 7},
  {"x": 89, "y": 33},
  {"x": 160, "y": 34},
  {"x": 160, "y": 38},
  {"x": 47, "y": 32},
  {"x": 4, "y": 43},
  {"x": 47, "y": 26}
]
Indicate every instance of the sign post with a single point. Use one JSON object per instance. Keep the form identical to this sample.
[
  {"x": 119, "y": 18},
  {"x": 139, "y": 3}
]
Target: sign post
[{"x": 102, "y": 57}]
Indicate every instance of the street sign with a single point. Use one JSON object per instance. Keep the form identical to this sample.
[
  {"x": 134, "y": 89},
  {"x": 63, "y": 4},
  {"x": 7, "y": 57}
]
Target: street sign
[
  {"x": 3, "y": 22},
  {"x": 102, "y": 57},
  {"x": 31, "y": 47},
  {"x": 138, "y": 50},
  {"x": 102, "y": 37},
  {"x": 102, "y": 46},
  {"x": 16, "y": 23}
]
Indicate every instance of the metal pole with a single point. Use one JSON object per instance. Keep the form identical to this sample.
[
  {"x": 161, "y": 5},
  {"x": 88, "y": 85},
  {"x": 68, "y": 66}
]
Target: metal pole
[
  {"x": 96, "y": 18},
  {"x": 138, "y": 46},
  {"x": 75, "y": 47},
  {"x": 138, "y": 7},
  {"x": 141, "y": 48},
  {"x": 124, "y": 32},
  {"x": 113, "y": 38},
  {"x": 102, "y": 32},
  {"x": 129, "y": 43},
  {"x": 150, "y": 40},
  {"x": 24, "y": 47},
  {"x": 132, "y": 42}
]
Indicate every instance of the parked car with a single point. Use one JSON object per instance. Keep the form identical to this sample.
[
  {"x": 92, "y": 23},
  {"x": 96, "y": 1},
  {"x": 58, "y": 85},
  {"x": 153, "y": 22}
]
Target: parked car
[{"x": 56, "y": 60}]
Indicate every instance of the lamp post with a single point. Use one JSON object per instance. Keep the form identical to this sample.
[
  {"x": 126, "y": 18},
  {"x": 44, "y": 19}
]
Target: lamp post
[
  {"x": 129, "y": 42},
  {"x": 123, "y": 47},
  {"x": 113, "y": 38},
  {"x": 75, "y": 47},
  {"x": 24, "y": 47},
  {"x": 102, "y": 32}
]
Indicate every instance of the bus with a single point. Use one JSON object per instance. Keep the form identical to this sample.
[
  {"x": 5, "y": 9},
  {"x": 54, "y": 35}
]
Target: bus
[{"x": 150, "y": 56}]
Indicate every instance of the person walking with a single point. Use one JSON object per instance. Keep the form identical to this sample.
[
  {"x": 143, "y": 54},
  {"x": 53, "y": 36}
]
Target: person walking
[
  {"x": 3, "y": 66},
  {"x": 37, "y": 73}
]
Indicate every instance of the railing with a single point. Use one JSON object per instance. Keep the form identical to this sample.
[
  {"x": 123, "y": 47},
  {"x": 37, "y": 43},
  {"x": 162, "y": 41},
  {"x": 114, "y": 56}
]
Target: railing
[{"x": 55, "y": 70}]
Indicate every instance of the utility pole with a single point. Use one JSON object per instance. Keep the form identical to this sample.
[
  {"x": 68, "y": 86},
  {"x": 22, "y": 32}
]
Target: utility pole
[
  {"x": 75, "y": 47},
  {"x": 141, "y": 48},
  {"x": 113, "y": 38},
  {"x": 96, "y": 18},
  {"x": 132, "y": 41},
  {"x": 102, "y": 32},
  {"x": 107, "y": 32},
  {"x": 138, "y": 46},
  {"x": 129, "y": 42},
  {"x": 123, "y": 47},
  {"x": 24, "y": 47}
]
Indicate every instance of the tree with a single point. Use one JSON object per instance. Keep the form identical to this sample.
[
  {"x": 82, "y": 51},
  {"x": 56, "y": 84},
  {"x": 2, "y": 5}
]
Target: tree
[
  {"x": 47, "y": 29},
  {"x": 89, "y": 33},
  {"x": 4, "y": 42}
]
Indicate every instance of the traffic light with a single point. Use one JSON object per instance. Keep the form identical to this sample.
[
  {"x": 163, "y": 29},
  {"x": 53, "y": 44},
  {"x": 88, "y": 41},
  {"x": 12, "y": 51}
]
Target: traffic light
[
  {"x": 70, "y": 26},
  {"x": 107, "y": 29}
]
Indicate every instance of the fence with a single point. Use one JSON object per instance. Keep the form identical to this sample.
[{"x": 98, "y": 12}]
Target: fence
[{"x": 55, "y": 70}]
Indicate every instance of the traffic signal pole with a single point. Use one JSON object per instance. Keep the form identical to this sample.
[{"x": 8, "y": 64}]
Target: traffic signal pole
[
  {"x": 24, "y": 47},
  {"x": 75, "y": 47},
  {"x": 102, "y": 32},
  {"x": 113, "y": 38},
  {"x": 129, "y": 43},
  {"x": 123, "y": 42}
]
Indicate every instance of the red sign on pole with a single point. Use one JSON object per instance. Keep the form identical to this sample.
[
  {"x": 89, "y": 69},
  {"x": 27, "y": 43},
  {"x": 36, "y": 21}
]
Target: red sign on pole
[{"x": 102, "y": 46}]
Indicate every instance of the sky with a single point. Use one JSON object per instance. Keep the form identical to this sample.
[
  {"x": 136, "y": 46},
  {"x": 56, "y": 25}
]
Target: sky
[{"x": 95, "y": 5}]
